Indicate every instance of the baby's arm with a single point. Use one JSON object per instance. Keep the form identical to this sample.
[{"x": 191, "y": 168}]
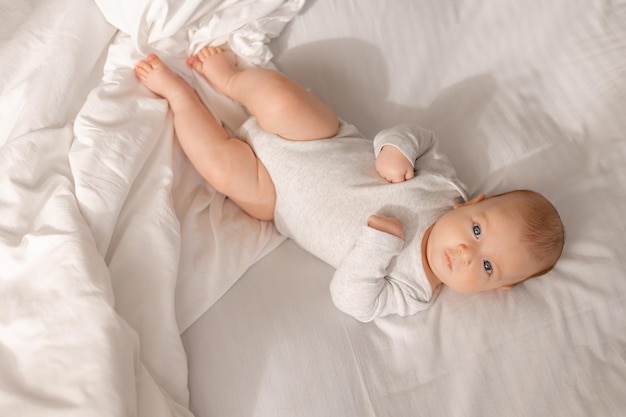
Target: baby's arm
[
  {"x": 360, "y": 286},
  {"x": 398, "y": 148}
]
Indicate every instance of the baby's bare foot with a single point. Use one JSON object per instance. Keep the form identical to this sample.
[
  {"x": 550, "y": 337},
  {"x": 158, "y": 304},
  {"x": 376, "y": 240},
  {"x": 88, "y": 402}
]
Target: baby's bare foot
[
  {"x": 215, "y": 66},
  {"x": 159, "y": 78}
]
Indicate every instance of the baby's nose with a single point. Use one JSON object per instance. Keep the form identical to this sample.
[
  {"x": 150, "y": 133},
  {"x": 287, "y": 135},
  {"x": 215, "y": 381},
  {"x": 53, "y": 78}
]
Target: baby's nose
[{"x": 465, "y": 253}]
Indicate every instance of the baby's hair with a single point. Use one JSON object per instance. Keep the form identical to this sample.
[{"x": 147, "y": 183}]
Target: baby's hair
[{"x": 543, "y": 232}]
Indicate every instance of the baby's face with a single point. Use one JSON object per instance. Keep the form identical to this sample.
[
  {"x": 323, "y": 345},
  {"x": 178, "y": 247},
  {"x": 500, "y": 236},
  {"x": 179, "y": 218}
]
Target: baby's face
[{"x": 478, "y": 247}]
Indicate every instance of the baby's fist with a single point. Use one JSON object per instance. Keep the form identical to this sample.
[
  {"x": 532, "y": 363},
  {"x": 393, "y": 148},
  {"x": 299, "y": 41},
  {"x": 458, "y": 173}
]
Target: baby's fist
[{"x": 393, "y": 166}]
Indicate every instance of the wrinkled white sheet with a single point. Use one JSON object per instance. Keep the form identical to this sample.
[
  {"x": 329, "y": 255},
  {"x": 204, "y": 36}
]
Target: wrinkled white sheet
[{"x": 110, "y": 243}]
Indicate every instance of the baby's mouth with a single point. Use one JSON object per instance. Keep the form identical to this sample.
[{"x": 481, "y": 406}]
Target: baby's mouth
[{"x": 447, "y": 259}]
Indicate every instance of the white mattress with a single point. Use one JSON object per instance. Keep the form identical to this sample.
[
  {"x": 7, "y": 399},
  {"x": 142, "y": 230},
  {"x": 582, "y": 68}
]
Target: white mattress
[{"x": 521, "y": 95}]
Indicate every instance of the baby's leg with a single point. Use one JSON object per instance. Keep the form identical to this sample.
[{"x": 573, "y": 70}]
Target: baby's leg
[
  {"x": 228, "y": 164},
  {"x": 280, "y": 105}
]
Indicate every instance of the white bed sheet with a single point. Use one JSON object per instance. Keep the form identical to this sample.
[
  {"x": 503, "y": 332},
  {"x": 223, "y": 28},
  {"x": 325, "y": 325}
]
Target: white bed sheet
[{"x": 522, "y": 95}]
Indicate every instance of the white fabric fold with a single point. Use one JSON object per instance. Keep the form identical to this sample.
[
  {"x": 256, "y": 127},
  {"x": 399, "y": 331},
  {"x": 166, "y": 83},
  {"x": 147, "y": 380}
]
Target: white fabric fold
[{"x": 110, "y": 243}]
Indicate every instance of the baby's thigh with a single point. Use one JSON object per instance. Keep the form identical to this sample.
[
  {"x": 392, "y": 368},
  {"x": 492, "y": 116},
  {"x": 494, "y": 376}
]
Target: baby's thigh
[{"x": 249, "y": 184}]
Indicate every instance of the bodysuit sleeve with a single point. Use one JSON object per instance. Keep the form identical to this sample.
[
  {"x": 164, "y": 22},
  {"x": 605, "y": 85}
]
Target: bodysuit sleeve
[
  {"x": 412, "y": 140},
  {"x": 361, "y": 288},
  {"x": 420, "y": 146}
]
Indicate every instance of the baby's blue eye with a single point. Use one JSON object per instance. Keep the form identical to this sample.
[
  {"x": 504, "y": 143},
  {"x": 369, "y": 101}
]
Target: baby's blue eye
[
  {"x": 476, "y": 230},
  {"x": 488, "y": 267}
]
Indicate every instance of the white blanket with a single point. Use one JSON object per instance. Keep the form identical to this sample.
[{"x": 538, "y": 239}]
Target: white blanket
[{"x": 111, "y": 245}]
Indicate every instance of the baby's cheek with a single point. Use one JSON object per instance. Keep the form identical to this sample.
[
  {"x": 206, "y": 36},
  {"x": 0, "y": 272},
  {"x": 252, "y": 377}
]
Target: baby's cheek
[{"x": 474, "y": 281}]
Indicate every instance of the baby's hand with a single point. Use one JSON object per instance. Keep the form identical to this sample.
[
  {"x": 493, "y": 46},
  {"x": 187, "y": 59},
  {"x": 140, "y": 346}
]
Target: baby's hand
[
  {"x": 392, "y": 165},
  {"x": 386, "y": 224}
]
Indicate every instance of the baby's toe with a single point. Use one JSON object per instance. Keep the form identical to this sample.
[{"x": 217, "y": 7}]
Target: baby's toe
[
  {"x": 194, "y": 63},
  {"x": 142, "y": 67},
  {"x": 154, "y": 61},
  {"x": 208, "y": 51}
]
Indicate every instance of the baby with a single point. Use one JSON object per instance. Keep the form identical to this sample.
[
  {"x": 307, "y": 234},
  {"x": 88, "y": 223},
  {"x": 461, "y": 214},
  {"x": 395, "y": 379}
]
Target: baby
[{"x": 389, "y": 214}]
